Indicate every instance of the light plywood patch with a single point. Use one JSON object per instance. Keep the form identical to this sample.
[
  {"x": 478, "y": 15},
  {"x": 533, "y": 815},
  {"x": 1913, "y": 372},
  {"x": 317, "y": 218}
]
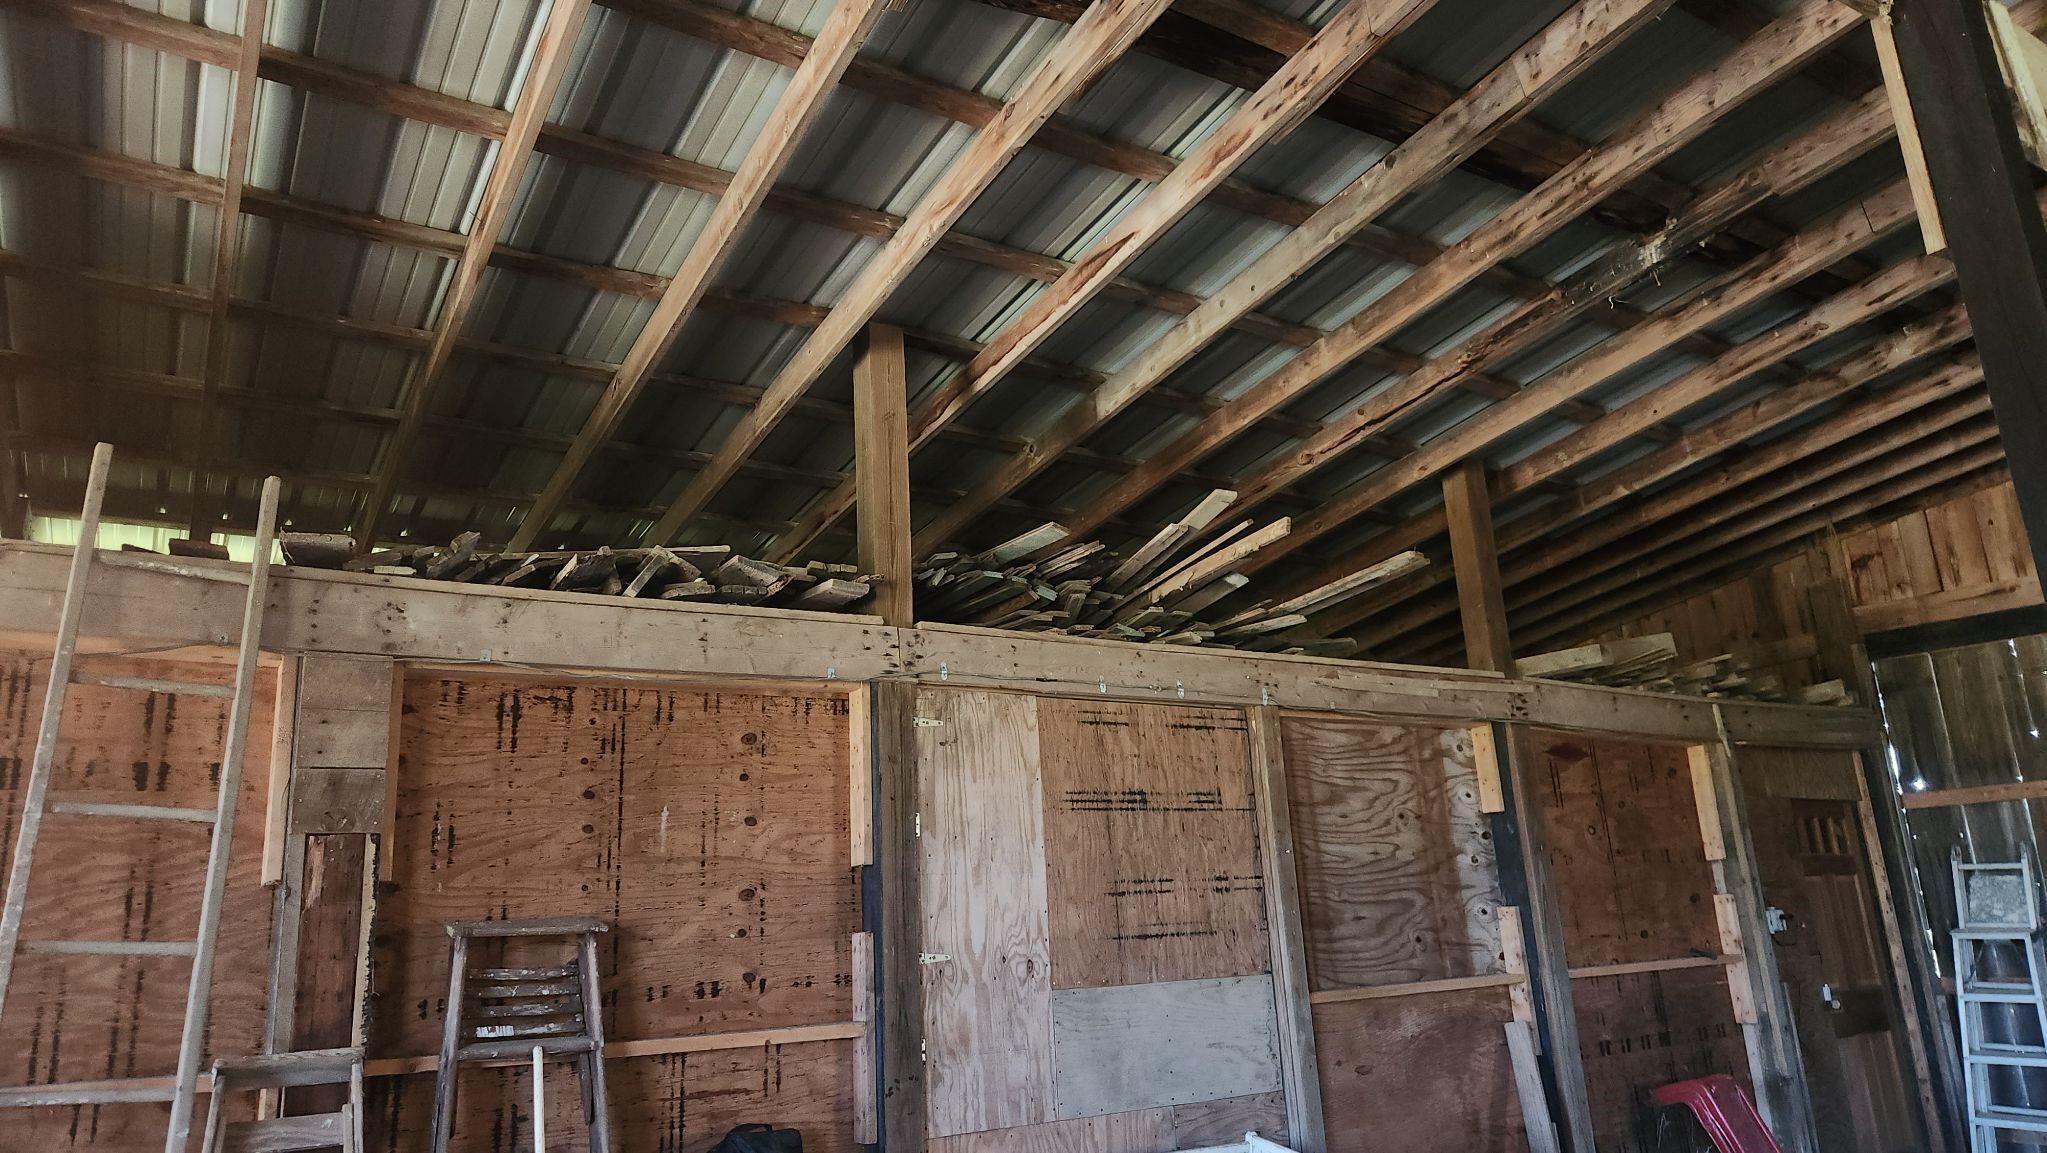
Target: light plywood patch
[
  {"x": 1153, "y": 869},
  {"x": 1171, "y": 1043},
  {"x": 986, "y": 1004},
  {"x": 1399, "y": 881}
]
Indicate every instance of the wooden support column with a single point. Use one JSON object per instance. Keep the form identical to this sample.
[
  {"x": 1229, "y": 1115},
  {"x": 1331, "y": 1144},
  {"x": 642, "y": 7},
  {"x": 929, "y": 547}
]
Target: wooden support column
[
  {"x": 1991, "y": 219},
  {"x": 899, "y": 919},
  {"x": 1541, "y": 920},
  {"x": 881, "y": 471},
  {"x": 1761, "y": 1003},
  {"x": 1298, "y": 1069},
  {"x": 1480, "y": 598}
]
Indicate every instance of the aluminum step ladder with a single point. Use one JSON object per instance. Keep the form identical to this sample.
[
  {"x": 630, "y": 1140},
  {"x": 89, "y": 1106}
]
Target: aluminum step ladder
[
  {"x": 35, "y": 803},
  {"x": 1996, "y": 904}
]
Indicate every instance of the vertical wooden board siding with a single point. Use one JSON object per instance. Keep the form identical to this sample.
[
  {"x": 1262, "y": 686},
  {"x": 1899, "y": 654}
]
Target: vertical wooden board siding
[
  {"x": 1642, "y": 1030},
  {"x": 1422, "y": 1074},
  {"x": 677, "y": 1103},
  {"x": 1152, "y": 865},
  {"x": 987, "y": 1010},
  {"x": 1398, "y": 875},
  {"x": 1630, "y": 861},
  {"x": 707, "y": 824},
  {"x": 85, "y": 1018},
  {"x": 1139, "y": 1131},
  {"x": 1171, "y": 1043}
]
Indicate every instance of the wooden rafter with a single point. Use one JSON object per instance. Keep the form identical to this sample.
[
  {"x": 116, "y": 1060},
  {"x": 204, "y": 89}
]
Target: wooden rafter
[
  {"x": 1088, "y": 47},
  {"x": 546, "y": 64},
  {"x": 227, "y": 235},
  {"x": 1544, "y": 64},
  {"x": 779, "y": 137},
  {"x": 1677, "y": 119},
  {"x": 1593, "y": 497},
  {"x": 1546, "y": 559},
  {"x": 1817, "y": 247}
]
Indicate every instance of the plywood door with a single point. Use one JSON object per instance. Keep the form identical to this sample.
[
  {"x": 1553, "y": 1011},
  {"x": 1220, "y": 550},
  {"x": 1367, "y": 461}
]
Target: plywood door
[
  {"x": 1814, "y": 865},
  {"x": 988, "y": 976}
]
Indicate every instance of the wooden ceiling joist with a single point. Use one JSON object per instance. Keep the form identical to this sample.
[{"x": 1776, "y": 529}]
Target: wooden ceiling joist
[
  {"x": 1674, "y": 121},
  {"x": 1089, "y": 46},
  {"x": 1543, "y": 65},
  {"x": 777, "y": 141},
  {"x": 547, "y": 61}
]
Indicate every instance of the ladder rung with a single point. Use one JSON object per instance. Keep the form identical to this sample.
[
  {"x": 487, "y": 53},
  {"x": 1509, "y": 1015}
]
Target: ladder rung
[
  {"x": 552, "y": 989},
  {"x": 113, "y": 948},
  {"x": 86, "y": 1093},
  {"x": 133, "y": 812},
  {"x": 499, "y": 1050},
  {"x": 288, "y": 1134},
  {"x": 155, "y": 685},
  {"x": 550, "y": 973}
]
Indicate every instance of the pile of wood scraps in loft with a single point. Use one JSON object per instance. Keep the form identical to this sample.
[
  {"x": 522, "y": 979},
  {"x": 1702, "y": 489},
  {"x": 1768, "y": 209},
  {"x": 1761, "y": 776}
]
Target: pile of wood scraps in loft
[
  {"x": 1650, "y": 662},
  {"x": 1165, "y": 592},
  {"x": 707, "y": 573}
]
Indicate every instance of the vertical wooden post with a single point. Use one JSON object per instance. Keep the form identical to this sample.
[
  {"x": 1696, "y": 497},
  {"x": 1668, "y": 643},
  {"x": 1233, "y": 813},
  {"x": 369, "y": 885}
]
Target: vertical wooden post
[
  {"x": 1755, "y": 985},
  {"x": 1298, "y": 1069},
  {"x": 881, "y": 471},
  {"x": 1480, "y": 598},
  {"x": 900, "y": 922},
  {"x": 1992, "y": 221},
  {"x": 1542, "y": 919}
]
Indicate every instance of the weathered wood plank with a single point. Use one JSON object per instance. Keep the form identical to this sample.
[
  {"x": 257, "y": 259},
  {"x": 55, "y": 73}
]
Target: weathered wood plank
[{"x": 1303, "y": 1090}]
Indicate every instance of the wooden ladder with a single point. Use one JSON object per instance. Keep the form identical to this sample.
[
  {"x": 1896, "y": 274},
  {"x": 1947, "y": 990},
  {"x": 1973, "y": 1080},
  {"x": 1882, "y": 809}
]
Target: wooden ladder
[
  {"x": 511, "y": 1014},
  {"x": 35, "y": 803}
]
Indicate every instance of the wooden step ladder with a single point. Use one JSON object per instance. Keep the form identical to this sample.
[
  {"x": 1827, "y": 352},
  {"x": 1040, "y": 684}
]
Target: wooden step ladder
[
  {"x": 339, "y": 1129},
  {"x": 510, "y": 1015},
  {"x": 181, "y": 1090}
]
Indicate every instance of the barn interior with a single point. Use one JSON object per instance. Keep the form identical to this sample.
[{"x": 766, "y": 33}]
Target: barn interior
[{"x": 1023, "y": 576}]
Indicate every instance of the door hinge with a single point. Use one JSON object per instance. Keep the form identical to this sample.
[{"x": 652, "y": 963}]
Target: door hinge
[
  {"x": 916, "y": 825},
  {"x": 933, "y": 958},
  {"x": 928, "y": 723}
]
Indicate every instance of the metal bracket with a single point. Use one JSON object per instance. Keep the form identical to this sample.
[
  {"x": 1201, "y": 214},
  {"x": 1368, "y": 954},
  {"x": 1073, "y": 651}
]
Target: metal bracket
[
  {"x": 933, "y": 958},
  {"x": 928, "y": 723}
]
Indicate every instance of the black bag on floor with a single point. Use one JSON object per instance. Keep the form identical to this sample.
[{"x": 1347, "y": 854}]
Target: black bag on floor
[{"x": 758, "y": 1138}]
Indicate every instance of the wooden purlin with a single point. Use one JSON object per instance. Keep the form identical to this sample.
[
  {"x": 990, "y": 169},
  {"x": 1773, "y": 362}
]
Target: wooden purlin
[{"x": 1676, "y": 120}]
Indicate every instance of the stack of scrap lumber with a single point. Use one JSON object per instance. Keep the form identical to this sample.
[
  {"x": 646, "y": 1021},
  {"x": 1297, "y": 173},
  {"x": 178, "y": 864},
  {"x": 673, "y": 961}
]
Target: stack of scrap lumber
[
  {"x": 710, "y": 573},
  {"x": 1650, "y": 662},
  {"x": 1165, "y": 591}
]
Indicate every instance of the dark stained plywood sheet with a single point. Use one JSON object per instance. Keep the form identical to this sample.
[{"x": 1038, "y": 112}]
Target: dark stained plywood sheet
[
  {"x": 1151, "y": 844},
  {"x": 1631, "y": 869},
  {"x": 1226, "y": 1121},
  {"x": 1639, "y": 1031},
  {"x": 1427, "y": 1073},
  {"x": 680, "y": 1103},
  {"x": 987, "y": 1010},
  {"x": 85, "y": 1018},
  {"x": 1399, "y": 880},
  {"x": 707, "y": 824}
]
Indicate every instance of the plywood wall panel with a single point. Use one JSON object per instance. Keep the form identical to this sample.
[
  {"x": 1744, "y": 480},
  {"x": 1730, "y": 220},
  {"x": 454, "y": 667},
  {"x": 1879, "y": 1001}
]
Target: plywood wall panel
[
  {"x": 1139, "y": 1131},
  {"x": 1173, "y": 1043},
  {"x": 1643, "y": 1030},
  {"x": 680, "y": 1103},
  {"x": 84, "y": 1018},
  {"x": 708, "y": 824},
  {"x": 987, "y": 1010},
  {"x": 1152, "y": 869},
  {"x": 1398, "y": 877},
  {"x": 1630, "y": 864},
  {"x": 1421, "y": 1074}
]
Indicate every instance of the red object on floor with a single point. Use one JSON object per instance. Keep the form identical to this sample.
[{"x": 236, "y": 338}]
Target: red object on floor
[{"x": 1723, "y": 1107}]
